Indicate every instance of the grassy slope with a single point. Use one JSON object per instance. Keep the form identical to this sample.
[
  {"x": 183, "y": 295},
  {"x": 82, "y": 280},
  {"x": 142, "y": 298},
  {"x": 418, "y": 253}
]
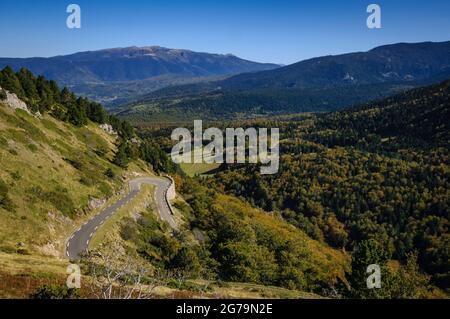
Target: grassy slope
[
  {"x": 51, "y": 170},
  {"x": 198, "y": 169},
  {"x": 192, "y": 169}
]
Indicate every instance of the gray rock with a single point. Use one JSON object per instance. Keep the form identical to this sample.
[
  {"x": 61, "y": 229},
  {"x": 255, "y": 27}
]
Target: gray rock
[
  {"x": 108, "y": 129},
  {"x": 14, "y": 102},
  {"x": 95, "y": 203}
]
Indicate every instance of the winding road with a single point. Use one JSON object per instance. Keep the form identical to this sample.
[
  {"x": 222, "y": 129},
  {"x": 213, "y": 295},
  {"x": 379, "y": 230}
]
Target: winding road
[{"x": 79, "y": 241}]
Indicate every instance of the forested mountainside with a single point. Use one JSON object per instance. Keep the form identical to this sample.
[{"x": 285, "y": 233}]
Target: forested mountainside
[
  {"x": 376, "y": 172},
  {"x": 417, "y": 119},
  {"x": 321, "y": 84}
]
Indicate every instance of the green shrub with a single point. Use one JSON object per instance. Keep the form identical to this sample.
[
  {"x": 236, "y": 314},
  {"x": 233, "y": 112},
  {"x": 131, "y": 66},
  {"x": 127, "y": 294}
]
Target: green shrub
[
  {"x": 75, "y": 163},
  {"x": 46, "y": 292},
  {"x": 3, "y": 141},
  {"x": 128, "y": 230},
  {"x": 245, "y": 262},
  {"x": 101, "y": 151},
  {"x": 110, "y": 173},
  {"x": 189, "y": 286},
  {"x": 2, "y": 95},
  {"x": 8, "y": 249},
  {"x": 87, "y": 180},
  {"x": 186, "y": 259},
  {"x": 105, "y": 189},
  {"x": 16, "y": 176},
  {"x": 23, "y": 251},
  {"x": 5, "y": 201},
  {"x": 121, "y": 158},
  {"x": 59, "y": 198},
  {"x": 32, "y": 147}
]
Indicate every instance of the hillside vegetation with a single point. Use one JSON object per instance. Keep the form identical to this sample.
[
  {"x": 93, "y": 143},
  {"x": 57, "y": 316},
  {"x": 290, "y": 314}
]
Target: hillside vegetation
[
  {"x": 416, "y": 119},
  {"x": 50, "y": 171},
  {"x": 249, "y": 245},
  {"x": 58, "y": 168},
  {"x": 378, "y": 173}
]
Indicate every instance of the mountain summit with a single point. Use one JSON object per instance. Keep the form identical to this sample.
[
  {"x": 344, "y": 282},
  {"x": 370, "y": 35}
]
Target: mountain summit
[
  {"x": 320, "y": 84},
  {"x": 108, "y": 73},
  {"x": 401, "y": 62}
]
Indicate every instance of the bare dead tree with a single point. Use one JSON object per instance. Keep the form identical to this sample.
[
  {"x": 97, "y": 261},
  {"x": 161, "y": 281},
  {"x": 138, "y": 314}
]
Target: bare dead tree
[{"x": 115, "y": 277}]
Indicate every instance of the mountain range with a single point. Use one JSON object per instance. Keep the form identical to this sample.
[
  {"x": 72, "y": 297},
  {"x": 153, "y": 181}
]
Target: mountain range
[
  {"x": 401, "y": 62},
  {"x": 155, "y": 83},
  {"x": 106, "y": 75},
  {"x": 320, "y": 84}
]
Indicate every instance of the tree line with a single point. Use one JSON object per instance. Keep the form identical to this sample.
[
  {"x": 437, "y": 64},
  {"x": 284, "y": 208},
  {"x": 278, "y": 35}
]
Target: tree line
[{"x": 45, "y": 96}]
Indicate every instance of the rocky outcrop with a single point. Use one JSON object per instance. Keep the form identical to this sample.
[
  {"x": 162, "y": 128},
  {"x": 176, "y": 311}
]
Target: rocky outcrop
[
  {"x": 108, "y": 129},
  {"x": 95, "y": 203},
  {"x": 135, "y": 141},
  {"x": 14, "y": 102}
]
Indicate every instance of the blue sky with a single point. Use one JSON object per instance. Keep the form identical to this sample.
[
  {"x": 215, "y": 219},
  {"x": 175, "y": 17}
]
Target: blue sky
[{"x": 279, "y": 31}]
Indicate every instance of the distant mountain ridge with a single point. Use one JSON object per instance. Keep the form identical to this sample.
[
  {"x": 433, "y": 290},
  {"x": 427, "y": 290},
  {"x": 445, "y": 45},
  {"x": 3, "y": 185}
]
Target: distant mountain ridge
[
  {"x": 321, "y": 84},
  {"x": 397, "y": 62},
  {"x": 124, "y": 65}
]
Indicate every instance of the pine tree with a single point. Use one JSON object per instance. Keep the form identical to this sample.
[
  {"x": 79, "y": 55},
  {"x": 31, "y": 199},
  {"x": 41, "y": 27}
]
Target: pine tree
[
  {"x": 121, "y": 159},
  {"x": 10, "y": 82},
  {"x": 67, "y": 97},
  {"x": 28, "y": 82},
  {"x": 76, "y": 114},
  {"x": 2, "y": 95},
  {"x": 96, "y": 113},
  {"x": 54, "y": 91},
  {"x": 45, "y": 94}
]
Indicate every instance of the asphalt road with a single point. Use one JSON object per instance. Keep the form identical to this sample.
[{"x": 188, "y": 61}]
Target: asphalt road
[{"x": 79, "y": 241}]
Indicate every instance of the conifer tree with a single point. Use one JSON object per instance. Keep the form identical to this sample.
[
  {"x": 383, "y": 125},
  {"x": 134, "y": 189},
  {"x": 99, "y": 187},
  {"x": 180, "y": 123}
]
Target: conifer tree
[
  {"x": 10, "y": 82},
  {"x": 28, "y": 82}
]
